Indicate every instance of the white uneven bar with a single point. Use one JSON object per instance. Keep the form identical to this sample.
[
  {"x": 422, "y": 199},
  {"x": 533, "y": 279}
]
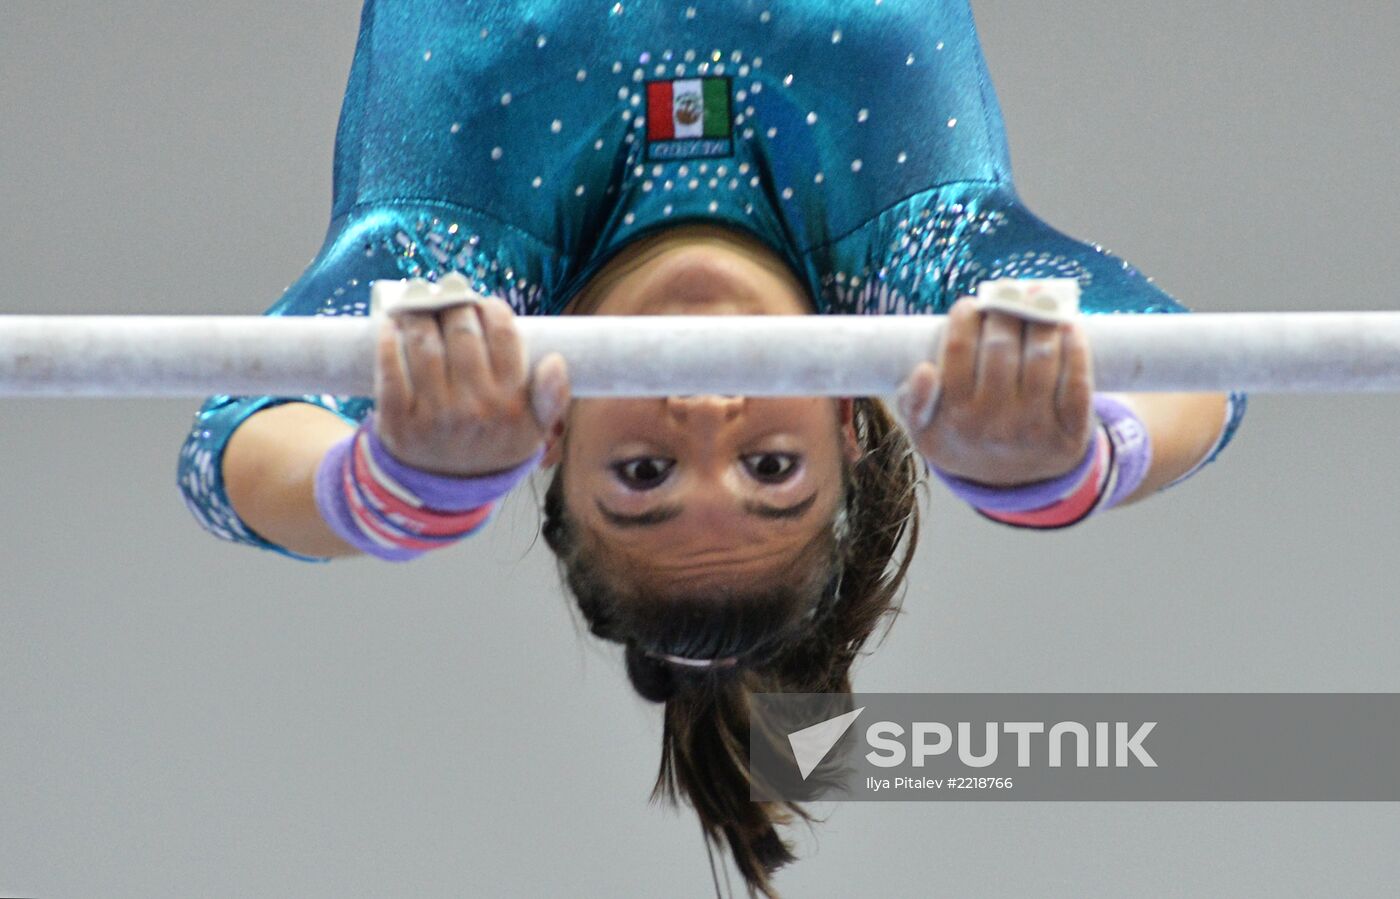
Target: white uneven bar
[{"x": 196, "y": 356}]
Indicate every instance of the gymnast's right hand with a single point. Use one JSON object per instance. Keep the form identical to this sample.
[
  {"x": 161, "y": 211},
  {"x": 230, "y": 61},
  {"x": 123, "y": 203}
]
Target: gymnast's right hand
[{"x": 452, "y": 392}]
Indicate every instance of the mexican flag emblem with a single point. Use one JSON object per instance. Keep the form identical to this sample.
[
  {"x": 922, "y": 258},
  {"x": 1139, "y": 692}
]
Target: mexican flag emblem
[{"x": 689, "y": 118}]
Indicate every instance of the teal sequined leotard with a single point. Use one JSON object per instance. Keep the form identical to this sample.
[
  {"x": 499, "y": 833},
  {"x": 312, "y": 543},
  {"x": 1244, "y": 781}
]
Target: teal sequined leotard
[{"x": 525, "y": 143}]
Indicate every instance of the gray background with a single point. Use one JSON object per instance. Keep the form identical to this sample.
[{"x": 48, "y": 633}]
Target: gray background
[{"x": 182, "y": 716}]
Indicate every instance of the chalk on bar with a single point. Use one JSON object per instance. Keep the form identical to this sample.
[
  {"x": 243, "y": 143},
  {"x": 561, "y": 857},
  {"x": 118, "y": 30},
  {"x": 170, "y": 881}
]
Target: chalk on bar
[
  {"x": 420, "y": 295},
  {"x": 1038, "y": 299}
]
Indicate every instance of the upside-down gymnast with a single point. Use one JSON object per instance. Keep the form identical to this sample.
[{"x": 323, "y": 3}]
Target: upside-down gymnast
[{"x": 756, "y": 157}]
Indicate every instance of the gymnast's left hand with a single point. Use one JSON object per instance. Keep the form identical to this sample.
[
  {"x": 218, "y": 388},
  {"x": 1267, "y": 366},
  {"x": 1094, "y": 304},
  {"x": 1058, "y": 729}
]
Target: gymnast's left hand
[{"x": 1012, "y": 399}]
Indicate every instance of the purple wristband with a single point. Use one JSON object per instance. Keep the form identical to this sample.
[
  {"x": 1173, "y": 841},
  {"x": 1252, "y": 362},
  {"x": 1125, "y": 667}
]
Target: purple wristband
[
  {"x": 445, "y": 493},
  {"x": 1022, "y": 497},
  {"x": 438, "y": 492},
  {"x": 335, "y": 508},
  {"x": 1132, "y": 447},
  {"x": 1132, "y": 456}
]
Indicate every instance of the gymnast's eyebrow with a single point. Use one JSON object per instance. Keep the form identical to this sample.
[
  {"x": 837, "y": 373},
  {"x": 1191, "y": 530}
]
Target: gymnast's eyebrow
[{"x": 666, "y": 513}]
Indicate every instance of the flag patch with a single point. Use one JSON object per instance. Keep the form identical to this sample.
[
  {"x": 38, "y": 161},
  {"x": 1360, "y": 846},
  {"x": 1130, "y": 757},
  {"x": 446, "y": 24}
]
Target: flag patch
[{"x": 689, "y": 118}]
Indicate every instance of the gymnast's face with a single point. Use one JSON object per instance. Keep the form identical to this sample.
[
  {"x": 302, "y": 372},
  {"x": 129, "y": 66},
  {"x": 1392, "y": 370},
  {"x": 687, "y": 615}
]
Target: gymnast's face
[{"x": 702, "y": 488}]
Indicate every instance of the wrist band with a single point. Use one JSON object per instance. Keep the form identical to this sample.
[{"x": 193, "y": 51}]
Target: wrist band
[
  {"x": 1079, "y": 503},
  {"x": 446, "y": 492},
  {"x": 1021, "y": 497},
  {"x": 1114, "y": 465},
  {"x": 1132, "y": 447},
  {"x": 395, "y": 511}
]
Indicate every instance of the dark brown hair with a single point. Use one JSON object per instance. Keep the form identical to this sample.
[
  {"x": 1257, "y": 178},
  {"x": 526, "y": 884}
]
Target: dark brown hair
[{"x": 797, "y": 633}]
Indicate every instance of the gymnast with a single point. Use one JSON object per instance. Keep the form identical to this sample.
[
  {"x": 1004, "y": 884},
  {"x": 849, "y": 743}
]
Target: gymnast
[{"x": 754, "y": 157}]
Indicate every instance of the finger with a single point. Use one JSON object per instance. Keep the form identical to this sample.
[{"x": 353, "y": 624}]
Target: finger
[
  {"x": 1076, "y": 390},
  {"x": 918, "y": 397},
  {"x": 427, "y": 368},
  {"x": 999, "y": 359},
  {"x": 957, "y": 363},
  {"x": 507, "y": 358},
  {"x": 467, "y": 364},
  {"x": 549, "y": 390},
  {"x": 391, "y": 390},
  {"x": 1040, "y": 364}
]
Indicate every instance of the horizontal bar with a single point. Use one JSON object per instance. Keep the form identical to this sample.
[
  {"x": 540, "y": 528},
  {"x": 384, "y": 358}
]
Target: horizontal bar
[{"x": 807, "y": 355}]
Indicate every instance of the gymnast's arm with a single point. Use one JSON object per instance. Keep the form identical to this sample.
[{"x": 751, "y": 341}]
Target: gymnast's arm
[
  {"x": 1010, "y": 405},
  {"x": 1185, "y": 429},
  {"x": 269, "y": 471},
  {"x": 454, "y": 400}
]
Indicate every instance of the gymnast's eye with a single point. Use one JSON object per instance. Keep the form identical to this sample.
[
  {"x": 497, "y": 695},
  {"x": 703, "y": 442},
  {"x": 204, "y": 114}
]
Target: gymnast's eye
[
  {"x": 644, "y": 473},
  {"x": 771, "y": 468}
]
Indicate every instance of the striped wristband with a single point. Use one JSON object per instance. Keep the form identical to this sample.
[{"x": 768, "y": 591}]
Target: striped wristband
[
  {"x": 1114, "y": 465},
  {"x": 396, "y": 512}
]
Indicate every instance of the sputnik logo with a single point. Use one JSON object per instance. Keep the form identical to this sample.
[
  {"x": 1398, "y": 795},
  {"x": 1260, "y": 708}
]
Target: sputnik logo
[{"x": 811, "y": 744}]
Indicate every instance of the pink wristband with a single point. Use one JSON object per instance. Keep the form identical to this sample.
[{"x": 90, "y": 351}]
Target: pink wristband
[
  {"x": 1113, "y": 467},
  {"x": 1079, "y": 503},
  {"x": 377, "y": 503}
]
